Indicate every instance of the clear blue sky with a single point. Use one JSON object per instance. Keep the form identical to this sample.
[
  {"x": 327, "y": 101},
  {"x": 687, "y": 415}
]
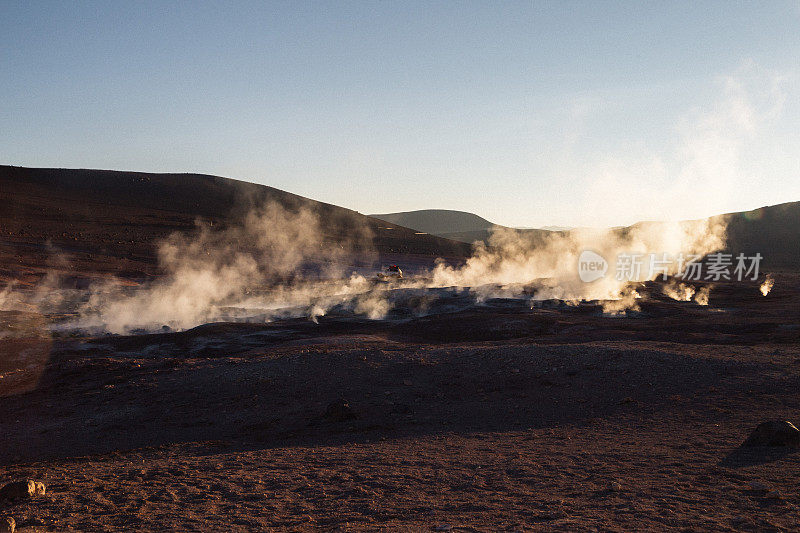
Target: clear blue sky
[{"x": 527, "y": 113}]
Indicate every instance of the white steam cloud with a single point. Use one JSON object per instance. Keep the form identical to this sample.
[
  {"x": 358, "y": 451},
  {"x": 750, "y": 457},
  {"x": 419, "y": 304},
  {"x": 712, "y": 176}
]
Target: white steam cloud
[
  {"x": 766, "y": 287},
  {"x": 679, "y": 291},
  {"x": 717, "y": 151},
  {"x": 280, "y": 262},
  {"x": 551, "y": 259},
  {"x": 276, "y": 257}
]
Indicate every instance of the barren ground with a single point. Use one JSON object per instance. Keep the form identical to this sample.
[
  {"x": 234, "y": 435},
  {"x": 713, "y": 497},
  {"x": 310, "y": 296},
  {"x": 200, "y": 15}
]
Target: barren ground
[{"x": 489, "y": 418}]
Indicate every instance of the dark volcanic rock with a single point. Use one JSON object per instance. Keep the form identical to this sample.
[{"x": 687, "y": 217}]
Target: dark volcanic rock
[
  {"x": 774, "y": 433},
  {"x": 18, "y": 490}
]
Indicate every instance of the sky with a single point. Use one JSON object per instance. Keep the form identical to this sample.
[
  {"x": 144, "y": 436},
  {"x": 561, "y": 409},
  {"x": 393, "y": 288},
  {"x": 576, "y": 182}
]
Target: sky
[{"x": 526, "y": 113}]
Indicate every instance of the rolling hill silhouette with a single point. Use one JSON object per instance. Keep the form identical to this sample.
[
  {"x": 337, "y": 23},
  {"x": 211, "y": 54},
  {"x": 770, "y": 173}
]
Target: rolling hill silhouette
[
  {"x": 110, "y": 221},
  {"x": 437, "y": 221},
  {"x": 773, "y": 231},
  {"x": 455, "y": 225}
]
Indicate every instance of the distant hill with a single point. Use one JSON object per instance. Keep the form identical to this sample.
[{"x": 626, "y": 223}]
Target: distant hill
[
  {"x": 454, "y": 225},
  {"x": 772, "y": 231},
  {"x": 437, "y": 221},
  {"x": 110, "y": 221}
]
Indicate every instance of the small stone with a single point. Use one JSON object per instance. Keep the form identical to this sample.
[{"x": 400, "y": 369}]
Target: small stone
[
  {"x": 615, "y": 486},
  {"x": 18, "y": 490},
  {"x": 7, "y": 525},
  {"x": 443, "y": 527},
  {"x": 774, "y": 433},
  {"x": 759, "y": 486},
  {"x": 40, "y": 488},
  {"x": 408, "y": 382}
]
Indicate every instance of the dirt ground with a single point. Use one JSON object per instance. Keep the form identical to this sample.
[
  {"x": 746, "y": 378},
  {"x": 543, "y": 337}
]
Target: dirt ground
[{"x": 494, "y": 417}]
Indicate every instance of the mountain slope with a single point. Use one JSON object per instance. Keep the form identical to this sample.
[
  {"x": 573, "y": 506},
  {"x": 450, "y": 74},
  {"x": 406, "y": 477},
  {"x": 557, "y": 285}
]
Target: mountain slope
[
  {"x": 437, "y": 221},
  {"x": 454, "y": 225},
  {"x": 772, "y": 231},
  {"x": 110, "y": 221}
]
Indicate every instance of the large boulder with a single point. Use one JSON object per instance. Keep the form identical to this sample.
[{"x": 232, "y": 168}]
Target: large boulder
[
  {"x": 7, "y": 525},
  {"x": 18, "y": 490},
  {"x": 774, "y": 433}
]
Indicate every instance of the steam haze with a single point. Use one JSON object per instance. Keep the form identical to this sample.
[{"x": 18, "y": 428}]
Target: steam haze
[{"x": 276, "y": 264}]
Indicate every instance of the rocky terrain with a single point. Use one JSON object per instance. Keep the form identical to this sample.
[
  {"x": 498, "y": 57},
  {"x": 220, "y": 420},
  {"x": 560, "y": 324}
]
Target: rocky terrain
[
  {"x": 93, "y": 224},
  {"x": 474, "y": 417}
]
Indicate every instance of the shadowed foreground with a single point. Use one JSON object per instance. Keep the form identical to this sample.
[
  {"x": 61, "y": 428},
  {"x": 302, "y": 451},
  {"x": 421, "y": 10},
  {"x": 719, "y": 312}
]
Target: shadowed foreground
[{"x": 494, "y": 417}]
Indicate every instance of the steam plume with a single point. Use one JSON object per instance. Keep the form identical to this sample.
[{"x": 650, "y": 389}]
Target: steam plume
[
  {"x": 679, "y": 291},
  {"x": 518, "y": 258},
  {"x": 767, "y": 285},
  {"x": 276, "y": 257}
]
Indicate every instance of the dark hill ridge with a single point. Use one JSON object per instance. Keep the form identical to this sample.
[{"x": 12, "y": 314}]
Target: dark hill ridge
[
  {"x": 772, "y": 231},
  {"x": 437, "y": 221},
  {"x": 109, "y": 221},
  {"x": 454, "y": 225}
]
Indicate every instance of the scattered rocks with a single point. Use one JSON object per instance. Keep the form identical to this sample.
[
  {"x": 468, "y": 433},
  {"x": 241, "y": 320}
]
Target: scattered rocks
[
  {"x": 339, "y": 411},
  {"x": 7, "y": 525},
  {"x": 19, "y": 490},
  {"x": 774, "y": 433}
]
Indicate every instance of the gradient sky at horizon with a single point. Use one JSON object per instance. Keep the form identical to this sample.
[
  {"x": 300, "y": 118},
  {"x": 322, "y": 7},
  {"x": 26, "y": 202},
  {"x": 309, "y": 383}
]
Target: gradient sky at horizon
[{"x": 526, "y": 113}]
